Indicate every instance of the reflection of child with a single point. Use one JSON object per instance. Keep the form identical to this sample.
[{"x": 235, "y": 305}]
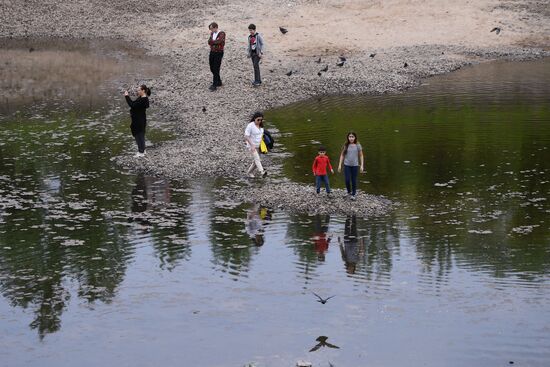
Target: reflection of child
[
  {"x": 321, "y": 245},
  {"x": 320, "y": 170}
]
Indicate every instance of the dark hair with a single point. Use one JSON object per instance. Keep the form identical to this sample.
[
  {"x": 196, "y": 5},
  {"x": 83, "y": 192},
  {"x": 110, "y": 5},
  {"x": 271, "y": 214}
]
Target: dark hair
[
  {"x": 213, "y": 25},
  {"x": 322, "y": 148},
  {"x": 252, "y": 26},
  {"x": 345, "y": 149},
  {"x": 256, "y": 115},
  {"x": 144, "y": 88}
]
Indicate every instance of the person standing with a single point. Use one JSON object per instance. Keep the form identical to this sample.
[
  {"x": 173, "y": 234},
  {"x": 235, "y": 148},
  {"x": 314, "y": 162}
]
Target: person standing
[
  {"x": 253, "y": 137},
  {"x": 352, "y": 157},
  {"x": 139, "y": 117},
  {"x": 216, "y": 41},
  {"x": 319, "y": 168},
  {"x": 255, "y": 52}
]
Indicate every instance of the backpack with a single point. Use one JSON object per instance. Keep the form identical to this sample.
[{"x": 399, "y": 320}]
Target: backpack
[{"x": 268, "y": 139}]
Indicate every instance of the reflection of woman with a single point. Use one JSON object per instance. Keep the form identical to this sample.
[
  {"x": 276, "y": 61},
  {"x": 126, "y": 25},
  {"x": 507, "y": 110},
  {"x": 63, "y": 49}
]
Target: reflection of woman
[
  {"x": 254, "y": 226},
  {"x": 352, "y": 157},
  {"x": 139, "y": 195},
  {"x": 350, "y": 249},
  {"x": 139, "y": 118}
]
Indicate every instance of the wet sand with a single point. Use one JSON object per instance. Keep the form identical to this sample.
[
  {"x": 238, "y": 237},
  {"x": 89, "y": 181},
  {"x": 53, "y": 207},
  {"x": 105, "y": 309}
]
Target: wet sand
[{"x": 377, "y": 38}]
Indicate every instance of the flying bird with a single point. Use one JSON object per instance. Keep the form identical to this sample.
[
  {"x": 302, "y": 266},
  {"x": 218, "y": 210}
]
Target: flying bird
[
  {"x": 289, "y": 73},
  {"x": 321, "y": 299},
  {"x": 323, "y": 343},
  {"x": 283, "y": 30},
  {"x": 496, "y": 30},
  {"x": 341, "y": 63},
  {"x": 325, "y": 69}
]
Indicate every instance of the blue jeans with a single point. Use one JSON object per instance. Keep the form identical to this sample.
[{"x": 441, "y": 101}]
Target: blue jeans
[
  {"x": 350, "y": 174},
  {"x": 318, "y": 180}
]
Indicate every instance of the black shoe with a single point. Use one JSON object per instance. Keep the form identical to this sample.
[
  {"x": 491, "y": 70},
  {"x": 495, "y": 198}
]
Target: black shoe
[
  {"x": 264, "y": 174},
  {"x": 212, "y": 87}
]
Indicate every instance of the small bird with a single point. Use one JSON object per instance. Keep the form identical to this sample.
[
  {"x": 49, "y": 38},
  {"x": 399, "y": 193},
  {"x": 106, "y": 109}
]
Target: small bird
[
  {"x": 372, "y": 55},
  {"x": 405, "y": 65},
  {"x": 283, "y": 30},
  {"x": 342, "y": 58},
  {"x": 204, "y": 109},
  {"x": 321, "y": 299},
  {"x": 325, "y": 69},
  {"x": 318, "y": 61},
  {"x": 323, "y": 343},
  {"x": 319, "y": 73},
  {"x": 31, "y": 49},
  {"x": 496, "y": 30},
  {"x": 289, "y": 73},
  {"x": 341, "y": 63}
]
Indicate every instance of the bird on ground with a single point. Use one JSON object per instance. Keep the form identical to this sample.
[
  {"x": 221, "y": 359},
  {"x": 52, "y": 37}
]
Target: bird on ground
[
  {"x": 318, "y": 61},
  {"x": 323, "y": 343},
  {"x": 342, "y": 58},
  {"x": 405, "y": 65},
  {"x": 289, "y": 73},
  {"x": 321, "y": 299},
  {"x": 372, "y": 55},
  {"x": 204, "y": 109},
  {"x": 341, "y": 63},
  {"x": 496, "y": 30},
  {"x": 319, "y": 73},
  {"x": 31, "y": 49},
  {"x": 325, "y": 69},
  {"x": 283, "y": 30}
]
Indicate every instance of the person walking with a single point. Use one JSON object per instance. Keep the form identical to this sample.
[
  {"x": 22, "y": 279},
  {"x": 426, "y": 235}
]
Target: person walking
[
  {"x": 320, "y": 164},
  {"x": 253, "y": 137},
  {"x": 216, "y": 41},
  {"x": 139, "y": 117},
  {"x": 255, "y": 52},
  {"x": 352, "y": 158}
]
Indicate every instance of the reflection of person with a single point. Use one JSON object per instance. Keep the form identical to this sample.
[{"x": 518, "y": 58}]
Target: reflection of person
[
  {"x": 254, "y": 225},
  {"x": 139, "y": 195},
  {"x": 255, "y": 52},
  {"x": 253, "y": 137},
  {"x": 139, "y": 118},
  {"x": 320, "y": 237},
  {"x": 352, "y": 157},
  {"x": 319, "y": 168},
  {"x": 350, "y": 248},
  {"x": 216, "y": 41}
]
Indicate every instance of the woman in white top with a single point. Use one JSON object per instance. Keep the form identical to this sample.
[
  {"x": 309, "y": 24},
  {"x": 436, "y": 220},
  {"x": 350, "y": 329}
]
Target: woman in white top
[{"x": 253, "y": 137}]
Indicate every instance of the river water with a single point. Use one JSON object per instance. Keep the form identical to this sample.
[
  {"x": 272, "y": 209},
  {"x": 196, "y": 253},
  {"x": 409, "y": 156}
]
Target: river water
[{"x": 102, "y": 266}]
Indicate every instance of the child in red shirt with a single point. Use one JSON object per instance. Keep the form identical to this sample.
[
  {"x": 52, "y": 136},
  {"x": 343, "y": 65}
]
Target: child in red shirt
[{"x": 320, "y": 170}]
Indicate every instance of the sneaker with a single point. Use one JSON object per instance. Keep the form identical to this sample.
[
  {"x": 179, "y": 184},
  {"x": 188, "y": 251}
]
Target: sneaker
[
  {"x": 139, "y": 155},
  {"x": 264, "y": 174},
  {"x": 353, "y": 197},
  {"x": 256, "y": 84},
  {"x": 251, "y": 175},
  {"x": 212, "y": 87}
]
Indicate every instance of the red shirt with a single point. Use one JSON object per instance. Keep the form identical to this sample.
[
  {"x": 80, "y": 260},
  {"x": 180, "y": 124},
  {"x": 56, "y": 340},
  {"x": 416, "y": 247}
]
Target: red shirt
[{"x": 320, "y": 165}]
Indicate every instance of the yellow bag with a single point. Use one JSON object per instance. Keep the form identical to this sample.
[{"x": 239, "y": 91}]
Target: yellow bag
[{"x": 263, "y": 147}]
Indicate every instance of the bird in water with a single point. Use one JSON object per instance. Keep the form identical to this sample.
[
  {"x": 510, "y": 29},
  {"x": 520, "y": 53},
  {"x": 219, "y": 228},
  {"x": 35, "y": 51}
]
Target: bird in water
[
  {"x": 321, "y": 299},
  {"x": 283, "y": 30},
  {"x": 325, "y": 69},
  {"x": 323, "y": 343},
  {"x": 289, "y": 73},
  {"x": 496, "y": 30}
]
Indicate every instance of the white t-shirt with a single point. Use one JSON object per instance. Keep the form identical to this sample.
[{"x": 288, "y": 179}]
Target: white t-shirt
[{"x": 254, "y": 133}]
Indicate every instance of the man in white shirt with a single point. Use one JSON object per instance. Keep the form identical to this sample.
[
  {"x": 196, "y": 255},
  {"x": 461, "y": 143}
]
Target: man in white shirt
[{"x": 253, "y": 137}]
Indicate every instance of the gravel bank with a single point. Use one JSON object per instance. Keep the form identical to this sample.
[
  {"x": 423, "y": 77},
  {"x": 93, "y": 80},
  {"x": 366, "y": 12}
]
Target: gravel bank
[{"x": 210, "y": 143}]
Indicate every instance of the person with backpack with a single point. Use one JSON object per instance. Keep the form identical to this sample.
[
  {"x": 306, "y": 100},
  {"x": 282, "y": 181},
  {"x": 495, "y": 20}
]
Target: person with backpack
[
  {"x": 352, "y": 158},
  {"x": 216, "y": 41},
  {"x": 255, "y": 52},
  {"x": 253, "y": 137}
]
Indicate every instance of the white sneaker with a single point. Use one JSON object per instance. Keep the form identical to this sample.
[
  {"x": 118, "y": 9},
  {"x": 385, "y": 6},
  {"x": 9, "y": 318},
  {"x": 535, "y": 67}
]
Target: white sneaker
[
  {"x": 251, "y": 175},
  {"x": 139, "y": 155}
]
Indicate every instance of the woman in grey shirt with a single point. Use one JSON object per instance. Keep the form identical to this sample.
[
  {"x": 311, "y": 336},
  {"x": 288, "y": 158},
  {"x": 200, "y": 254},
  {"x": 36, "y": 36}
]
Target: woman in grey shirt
[{"x": 352, "y": 157}]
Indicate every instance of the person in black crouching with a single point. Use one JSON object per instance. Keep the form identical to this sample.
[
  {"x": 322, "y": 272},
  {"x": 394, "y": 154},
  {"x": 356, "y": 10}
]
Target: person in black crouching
[{"x": 139, "y": 117}]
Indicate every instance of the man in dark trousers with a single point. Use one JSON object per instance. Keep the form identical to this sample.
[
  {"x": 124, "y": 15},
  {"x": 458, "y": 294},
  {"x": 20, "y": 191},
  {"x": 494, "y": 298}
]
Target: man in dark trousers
[{"x": 217, "y": 43}]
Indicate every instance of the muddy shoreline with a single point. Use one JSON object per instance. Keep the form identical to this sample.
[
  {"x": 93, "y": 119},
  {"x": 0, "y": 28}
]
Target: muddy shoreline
[{"x": 209, "y": 144}]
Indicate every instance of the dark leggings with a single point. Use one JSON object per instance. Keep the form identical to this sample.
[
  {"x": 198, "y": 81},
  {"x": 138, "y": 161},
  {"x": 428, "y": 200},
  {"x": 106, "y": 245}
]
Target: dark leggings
[
  {"x": 350, "y": 174},
  {"x": 140, "y": 140},
  {"x": 215, "y": 60}
]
